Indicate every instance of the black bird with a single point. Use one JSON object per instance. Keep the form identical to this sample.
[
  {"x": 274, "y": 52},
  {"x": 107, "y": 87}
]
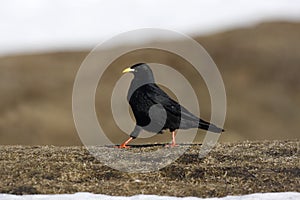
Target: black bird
[{"x": 154, "y": 110}]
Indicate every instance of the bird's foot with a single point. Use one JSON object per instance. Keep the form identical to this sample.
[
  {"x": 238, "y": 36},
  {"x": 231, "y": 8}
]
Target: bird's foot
[
  {"x": 123, "y": 146},
  {"x": 171, "y": 145}
]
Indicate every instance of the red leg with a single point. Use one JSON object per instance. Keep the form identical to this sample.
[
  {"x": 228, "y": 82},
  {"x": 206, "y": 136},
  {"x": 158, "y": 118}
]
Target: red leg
[
  {"x": 173, "y": 144},
  {"x": 123, "y": 145}
]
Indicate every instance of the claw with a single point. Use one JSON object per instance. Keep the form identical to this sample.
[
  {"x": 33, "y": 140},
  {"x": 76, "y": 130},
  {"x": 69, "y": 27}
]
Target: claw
[
  {"x": 124, "y": 145},
  {"x": 171, "y": 145}
]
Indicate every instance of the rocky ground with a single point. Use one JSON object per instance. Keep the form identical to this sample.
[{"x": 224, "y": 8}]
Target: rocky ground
[{"x": 229, "y": 169}]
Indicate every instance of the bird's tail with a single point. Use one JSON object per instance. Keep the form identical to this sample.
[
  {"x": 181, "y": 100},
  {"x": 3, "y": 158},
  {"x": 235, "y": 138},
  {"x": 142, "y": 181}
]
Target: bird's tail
[{"x": 210, "y": 127}]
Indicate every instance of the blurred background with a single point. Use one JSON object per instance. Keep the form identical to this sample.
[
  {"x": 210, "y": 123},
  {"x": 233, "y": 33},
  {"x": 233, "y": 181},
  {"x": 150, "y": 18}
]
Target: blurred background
[{"x": 255, "y": 44}]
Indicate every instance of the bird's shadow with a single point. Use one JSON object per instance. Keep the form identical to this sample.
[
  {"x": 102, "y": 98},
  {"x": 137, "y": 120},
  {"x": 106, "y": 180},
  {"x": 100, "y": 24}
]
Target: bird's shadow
[{"x": 154, "y": 145}]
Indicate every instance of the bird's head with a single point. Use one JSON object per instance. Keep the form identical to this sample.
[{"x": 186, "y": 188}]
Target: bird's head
[{"x": 140, "y": 71}]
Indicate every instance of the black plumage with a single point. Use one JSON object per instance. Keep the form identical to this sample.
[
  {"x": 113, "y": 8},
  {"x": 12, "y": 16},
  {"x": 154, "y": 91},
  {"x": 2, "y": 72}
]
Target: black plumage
[{"x": 154, "y": 110}]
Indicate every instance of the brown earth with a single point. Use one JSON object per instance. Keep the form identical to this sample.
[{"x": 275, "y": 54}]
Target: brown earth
[
  {"x": 259, "y": 65},
  {"x": 229, "y": 169}
]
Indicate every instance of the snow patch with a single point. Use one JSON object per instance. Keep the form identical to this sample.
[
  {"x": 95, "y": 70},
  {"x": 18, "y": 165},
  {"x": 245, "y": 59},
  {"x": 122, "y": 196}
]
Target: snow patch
[{"x": 90, "y": 196}]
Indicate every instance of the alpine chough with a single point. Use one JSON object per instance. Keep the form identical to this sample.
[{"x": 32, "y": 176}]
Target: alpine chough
[{"x": 154, "y": 110}]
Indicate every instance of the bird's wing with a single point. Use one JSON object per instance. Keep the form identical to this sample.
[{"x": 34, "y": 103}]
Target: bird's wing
[
  {"x": 175, "y": 110},
  {"x": 158, "y": 96}
]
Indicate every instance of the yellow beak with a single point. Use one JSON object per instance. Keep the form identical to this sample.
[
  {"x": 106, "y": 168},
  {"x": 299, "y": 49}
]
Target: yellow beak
[{"x": 128, "y": 70}]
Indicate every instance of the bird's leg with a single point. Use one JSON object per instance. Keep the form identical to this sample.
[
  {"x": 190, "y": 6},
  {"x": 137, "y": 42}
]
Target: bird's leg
[
  {"x": 173, "y": 144},
  {"x": 123, "y": 145},
  {"x": 136, "y": 131},
  {"x": 173, "y": 139}
]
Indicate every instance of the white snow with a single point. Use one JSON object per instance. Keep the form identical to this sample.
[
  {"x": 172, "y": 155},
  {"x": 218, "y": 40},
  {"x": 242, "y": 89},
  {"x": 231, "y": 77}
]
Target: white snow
[
  {"x": 35, "y": 25},
  {"x": 90, "y": 196}
]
